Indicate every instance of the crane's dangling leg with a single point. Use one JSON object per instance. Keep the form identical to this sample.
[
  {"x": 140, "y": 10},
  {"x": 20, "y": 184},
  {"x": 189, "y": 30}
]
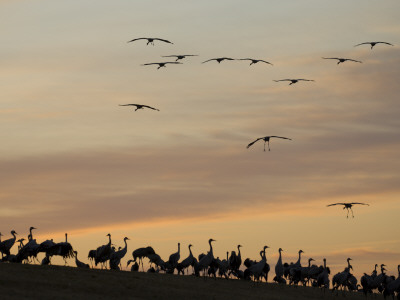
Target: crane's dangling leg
[
  {"x": 352, "y": 212},
  {"x": 264, "y": 146},
  {"x": 269, "y": 149}
]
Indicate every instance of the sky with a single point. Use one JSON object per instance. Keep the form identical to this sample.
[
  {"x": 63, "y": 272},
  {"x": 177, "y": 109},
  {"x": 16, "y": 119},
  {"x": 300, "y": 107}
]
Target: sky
[{"x": 73, "y": 160}]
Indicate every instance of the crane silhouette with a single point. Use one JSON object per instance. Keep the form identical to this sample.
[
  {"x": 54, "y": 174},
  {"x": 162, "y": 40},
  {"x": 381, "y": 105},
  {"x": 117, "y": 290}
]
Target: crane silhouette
[
  {"x": 151, "y": 40},
  {"x": 80, "y": 264},
  {"x": 348, "y": 206},
  {"x": 293, "y": 81},
  {"x": 180, "y": 56},
  {"x": 219, "y": 59},
  {"x": 163, "y": 64},
  {"x": 279, "y": 266},
  {"x": 254, "y": 61},
  {"x": 373, "y": 44},
  {"x": 139, "y": 106},
  {"x": 342, "y": 60},
  {"x": 266, "y": 140}
]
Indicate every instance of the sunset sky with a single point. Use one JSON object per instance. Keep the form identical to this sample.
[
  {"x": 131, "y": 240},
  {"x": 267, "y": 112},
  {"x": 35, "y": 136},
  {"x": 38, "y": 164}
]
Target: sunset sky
[{"x": 74, "y": 161}]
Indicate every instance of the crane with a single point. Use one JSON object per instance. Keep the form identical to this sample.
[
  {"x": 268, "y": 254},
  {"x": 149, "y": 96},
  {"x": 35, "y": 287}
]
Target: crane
[
  {"x": 180, "y": 56},
  {"x": 266, "y": 140},
  {"x": 139, "y": 106},
  {"x": 373, "y": 44},
  {"x": 254, "y": 61},
  {"x": 219, "y": 59},
  {"x": 342, "y": 60},
  {"x": 150, "y": 40},
  {"x": 348, "y": 206},
  {"x": 80, "y": 264},
  {"x": 163, "y": 64},
  {"x": 293, "y": 81}
]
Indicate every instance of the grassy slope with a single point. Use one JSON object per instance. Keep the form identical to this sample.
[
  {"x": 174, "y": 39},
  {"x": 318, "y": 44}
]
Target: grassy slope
[{"x": 56, "y": 282}]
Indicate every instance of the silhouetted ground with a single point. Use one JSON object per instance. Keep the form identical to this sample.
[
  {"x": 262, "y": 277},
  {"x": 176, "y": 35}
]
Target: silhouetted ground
[{"x": 56, "y": 282}]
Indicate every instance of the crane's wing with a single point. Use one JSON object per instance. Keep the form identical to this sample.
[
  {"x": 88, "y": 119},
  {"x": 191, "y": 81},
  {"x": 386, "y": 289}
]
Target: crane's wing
[
  {"x": 305, "y": 79},
  {"x": 280, "y": 137},
  {"x": 365, "y": 43},
  {"x": 128, "y": 104},
  {"x": 251, "y": 144},
  {"x": 150, "y": 107},
  {"x": 137, "y": 39},
  {"x": 359, "y": 203},
  {"x": 283, "y": 80},
  {"x": 264, "y": 61},
  {"x": 172, "y": 62},
  {"x": 354, "y": 60},
  {"x": 209, "y": 60},
  {"x": 336, "y": 204},
  {"x": 170, "y": 56},
  {"x": 385, "y": 43},
  {"x": 330, "y": 57},
  {"x": 166, "y": 41},
  {"x": 227, "y": 58},
  {"x": 150, "y": 64}
]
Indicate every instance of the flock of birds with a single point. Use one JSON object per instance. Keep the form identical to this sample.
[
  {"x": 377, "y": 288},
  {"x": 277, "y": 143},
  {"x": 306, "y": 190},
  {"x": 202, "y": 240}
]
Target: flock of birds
[
  {"x": 150, "y": 41},
  {"x": 207, "y": 265},
  {"x": 266, "y": 139}
]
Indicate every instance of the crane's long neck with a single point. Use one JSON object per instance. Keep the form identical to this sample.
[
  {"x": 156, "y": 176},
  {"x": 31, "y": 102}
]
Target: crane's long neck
[
  {"x": 66, "y": 237},
  {"x": 239, "y": 252},
  {"x": 109, "y": 239},
  {"x": 324, "y": 263},
  {"x": 227, "y": 256},
  {"x": 280, "y": 256},
  {"x": 190, "y": 251},
  {"x": 30, "y": 231},
  {"x": 298, "y": 261},
  {"x": 376, "y": 265},
  {"x": 398, "y": 270},
  {"x": 179, "y": 248},
  {"x": 309, "y": 263},
  {"x": 211, "y": 249}
]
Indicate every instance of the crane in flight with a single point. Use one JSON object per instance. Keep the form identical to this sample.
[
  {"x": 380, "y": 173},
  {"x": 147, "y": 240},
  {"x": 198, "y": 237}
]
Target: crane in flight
[
  {"x": 348, "y": 206},
  {"x": 266, "y": 140},
  {"x": 151, "y": 40},
  {"x": 180, "y": 56},
  {"x": 342, "y": 60},
  {"x": 373, "y": 44},
  {"x": 293, "y": 81},
  {"x": 219, "y": 59},
  {"x": 139, "y": 106},
  {"x": 162, "y": 64},
  {"x": 254, "y": 61}
]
